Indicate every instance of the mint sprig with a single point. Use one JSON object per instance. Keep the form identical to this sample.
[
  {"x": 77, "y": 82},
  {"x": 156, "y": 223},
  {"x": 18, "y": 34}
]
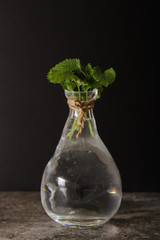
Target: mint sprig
[{"x": 74, "y": 77}]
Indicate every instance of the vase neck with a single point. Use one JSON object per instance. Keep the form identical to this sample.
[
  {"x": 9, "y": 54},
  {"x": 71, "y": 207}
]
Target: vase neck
[
  {"x": 72, "y": 127},
  {"x": 74, "y": 114},
  {"x": 80, "y": 123}
]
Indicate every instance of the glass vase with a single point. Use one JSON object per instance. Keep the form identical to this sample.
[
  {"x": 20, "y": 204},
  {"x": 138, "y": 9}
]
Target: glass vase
[{"x": 81, "y": 184}]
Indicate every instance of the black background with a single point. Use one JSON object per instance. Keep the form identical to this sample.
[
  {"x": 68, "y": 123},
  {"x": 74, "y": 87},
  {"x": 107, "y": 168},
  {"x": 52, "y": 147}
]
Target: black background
[{"x": 34, "y": 36}]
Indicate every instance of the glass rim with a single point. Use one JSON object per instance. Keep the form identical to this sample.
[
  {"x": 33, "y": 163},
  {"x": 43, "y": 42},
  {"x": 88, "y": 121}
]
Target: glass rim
[{"x": 90, "y": 91}]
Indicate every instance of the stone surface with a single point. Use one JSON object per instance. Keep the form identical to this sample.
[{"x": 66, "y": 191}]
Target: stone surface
[{"x": 23, "y": 218}]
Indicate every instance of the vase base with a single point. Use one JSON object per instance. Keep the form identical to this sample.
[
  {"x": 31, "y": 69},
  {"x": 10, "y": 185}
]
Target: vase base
[{"x": 81, "y": 223}]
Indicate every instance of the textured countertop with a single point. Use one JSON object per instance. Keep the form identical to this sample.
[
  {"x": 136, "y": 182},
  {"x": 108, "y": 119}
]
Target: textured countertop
[{"x": 23, "y": 218}]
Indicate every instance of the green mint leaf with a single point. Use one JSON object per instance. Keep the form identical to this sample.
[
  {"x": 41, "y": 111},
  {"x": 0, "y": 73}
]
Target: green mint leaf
[
  {"x": 68, "y": 85},
  {"x": 89, "y": 70},
  {"x": 105, "y": 78},
  {"x": 68, "y": 65},
  {"x": 110, "y": 75},
  {"x": 55, "y": 76},
  {"x": 98, "y": 75},
  {"x": 74, "y": 77}
]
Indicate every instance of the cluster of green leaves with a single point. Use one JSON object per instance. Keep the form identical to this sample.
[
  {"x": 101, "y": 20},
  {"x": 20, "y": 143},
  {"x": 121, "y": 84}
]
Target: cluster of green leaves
[{"x": 74, "y": 77}]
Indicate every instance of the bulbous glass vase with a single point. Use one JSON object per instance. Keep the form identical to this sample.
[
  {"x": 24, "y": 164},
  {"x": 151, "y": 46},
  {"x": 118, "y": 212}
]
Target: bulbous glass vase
[{"x": 81, "y": 184}]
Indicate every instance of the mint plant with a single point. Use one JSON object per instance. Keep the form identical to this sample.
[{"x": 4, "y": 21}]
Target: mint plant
[{"x": 74, "y": 77}]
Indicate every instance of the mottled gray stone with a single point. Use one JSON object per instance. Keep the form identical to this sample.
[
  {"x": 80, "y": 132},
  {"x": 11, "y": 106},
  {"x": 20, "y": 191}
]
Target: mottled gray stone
[{"x": 23, "y": 218}]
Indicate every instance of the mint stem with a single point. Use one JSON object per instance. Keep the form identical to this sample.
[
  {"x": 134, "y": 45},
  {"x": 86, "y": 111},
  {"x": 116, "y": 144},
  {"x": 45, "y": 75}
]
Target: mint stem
[
  {"x": 90, "y": 128},
  {"x": 74, "y": 126},
  {"x": 89, "y": 122},
  {"x": 79, "y": 92}
]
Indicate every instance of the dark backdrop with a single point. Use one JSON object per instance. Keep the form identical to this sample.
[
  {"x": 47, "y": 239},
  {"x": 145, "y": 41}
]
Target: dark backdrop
[{"x": 34, "y": 36}]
